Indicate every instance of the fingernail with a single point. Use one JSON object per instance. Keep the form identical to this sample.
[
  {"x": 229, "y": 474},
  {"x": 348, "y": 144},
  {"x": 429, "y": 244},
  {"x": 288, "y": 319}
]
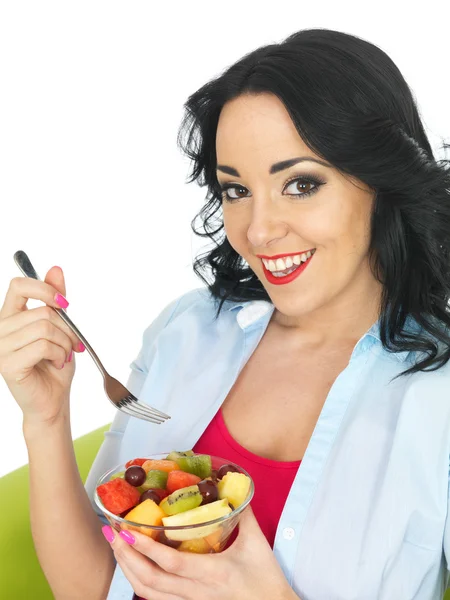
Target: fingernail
[
  {"x": 108, "y": 533},
  {"x": 126, "y": 535},
  {"x": 62, "y": 366},
  {"x": 81, "y": 347},
  {"x": 59, "y": 299},
  {"x": 70, "y": 356}
]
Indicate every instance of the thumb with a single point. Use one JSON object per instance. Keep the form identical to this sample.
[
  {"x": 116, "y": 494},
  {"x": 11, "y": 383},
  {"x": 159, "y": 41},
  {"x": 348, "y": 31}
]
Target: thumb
[
  {"x": 55, "y": 277},
  {"x": 248, "y": 525}
]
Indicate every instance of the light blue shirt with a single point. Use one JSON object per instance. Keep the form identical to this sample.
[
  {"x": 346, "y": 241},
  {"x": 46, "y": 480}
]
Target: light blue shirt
[{"x": 366, "y": 517}]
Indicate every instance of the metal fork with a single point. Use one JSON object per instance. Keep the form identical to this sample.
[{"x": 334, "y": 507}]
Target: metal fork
[{"x": 117, "y": 393}]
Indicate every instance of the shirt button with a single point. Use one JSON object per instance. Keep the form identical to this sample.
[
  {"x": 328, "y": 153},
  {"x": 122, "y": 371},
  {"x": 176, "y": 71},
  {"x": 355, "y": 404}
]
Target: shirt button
[{"x": 288, "y": 533}]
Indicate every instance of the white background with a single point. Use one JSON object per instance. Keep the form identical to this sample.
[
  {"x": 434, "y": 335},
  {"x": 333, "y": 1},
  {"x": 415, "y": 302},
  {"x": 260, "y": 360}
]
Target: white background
[{"x": 91, "y": 97}]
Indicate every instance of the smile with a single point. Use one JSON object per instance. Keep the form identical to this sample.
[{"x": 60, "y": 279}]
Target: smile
[
  {"x": 280, "y": 265},
  {"x": 285, "y": 269}
]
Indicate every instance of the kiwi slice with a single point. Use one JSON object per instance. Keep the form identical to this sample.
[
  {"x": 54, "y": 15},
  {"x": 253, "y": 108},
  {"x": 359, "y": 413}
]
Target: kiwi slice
[
  {"x": 174, "y": 455},
  {"x": 182, "y": 500},
  {"x": 154, "y": 479},
  {"x": 197, "y": 465},
  {"x": 116, "y": 475}
]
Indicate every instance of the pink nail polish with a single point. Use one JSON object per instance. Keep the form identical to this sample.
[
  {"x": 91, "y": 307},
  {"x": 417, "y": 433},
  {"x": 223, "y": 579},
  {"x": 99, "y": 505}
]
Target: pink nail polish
[
  {"x": 70, "y": 356},
  {"x": 126, "y": 535},
  {"x": 81, "y": 347},
  {"x": 108, "y": 533},
  {"x": 61, "y": 301}
]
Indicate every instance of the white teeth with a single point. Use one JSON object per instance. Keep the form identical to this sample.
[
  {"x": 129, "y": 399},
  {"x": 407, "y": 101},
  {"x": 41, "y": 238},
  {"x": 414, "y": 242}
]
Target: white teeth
[{"x": 290, "y": 261}]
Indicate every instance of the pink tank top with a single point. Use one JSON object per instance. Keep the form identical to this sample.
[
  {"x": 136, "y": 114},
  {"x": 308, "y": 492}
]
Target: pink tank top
[{"x": 272, "y": 478}]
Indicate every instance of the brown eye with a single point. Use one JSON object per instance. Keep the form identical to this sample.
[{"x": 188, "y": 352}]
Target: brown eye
[
  {"x": 302, "y": 187},
  {"x": 237, "y": 192}
]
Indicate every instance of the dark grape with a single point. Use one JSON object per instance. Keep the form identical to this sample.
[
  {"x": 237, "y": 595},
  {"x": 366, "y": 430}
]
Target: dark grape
[
  {"x": 150, "y": 495},
  {"x": 214, "y": 476},
  {"x": 224, "y": 469},
  {"x": 208, "y": 489},
  {"x": 162, "y": 537},
  {"x": 135, "y": 475}
]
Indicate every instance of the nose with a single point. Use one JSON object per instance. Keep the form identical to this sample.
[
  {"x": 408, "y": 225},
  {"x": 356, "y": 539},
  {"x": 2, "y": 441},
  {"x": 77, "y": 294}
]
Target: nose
[{"x": 266, "y": 225}]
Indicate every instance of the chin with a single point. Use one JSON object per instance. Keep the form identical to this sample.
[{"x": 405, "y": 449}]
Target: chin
[{"x": 295, "y": 307}]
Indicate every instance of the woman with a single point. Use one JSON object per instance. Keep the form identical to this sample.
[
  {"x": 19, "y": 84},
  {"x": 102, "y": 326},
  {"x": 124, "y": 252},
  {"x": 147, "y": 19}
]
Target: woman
[{"x": 317, "y": 355}]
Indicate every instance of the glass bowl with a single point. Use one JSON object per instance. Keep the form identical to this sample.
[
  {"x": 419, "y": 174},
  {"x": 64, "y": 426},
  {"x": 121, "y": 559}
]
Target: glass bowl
[{"x": 202, "y": 538}]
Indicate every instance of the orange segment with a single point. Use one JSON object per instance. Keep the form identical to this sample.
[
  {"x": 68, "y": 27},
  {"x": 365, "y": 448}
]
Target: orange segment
[
  {"x": 213, "y": 539},
  {"x": 147, "y": 513},
  {"x": 160, "y": 465}
]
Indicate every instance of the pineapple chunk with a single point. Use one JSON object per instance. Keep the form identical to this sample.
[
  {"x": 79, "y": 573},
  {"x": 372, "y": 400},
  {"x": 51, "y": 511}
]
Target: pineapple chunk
[
  {"x": 234, "y": 487},
  {"x": 199, "y": 546}
]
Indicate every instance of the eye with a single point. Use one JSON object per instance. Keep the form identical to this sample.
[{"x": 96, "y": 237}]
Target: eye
[
  {"x": 239, "y": 191},
  {"x": 302, "y": 186}
]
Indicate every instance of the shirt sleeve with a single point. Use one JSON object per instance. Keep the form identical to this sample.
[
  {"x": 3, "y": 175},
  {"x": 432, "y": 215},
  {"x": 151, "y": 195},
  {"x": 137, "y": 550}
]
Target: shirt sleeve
[
  {"x": 108, "y": 454},
  {"x": 446, "y": 541}
]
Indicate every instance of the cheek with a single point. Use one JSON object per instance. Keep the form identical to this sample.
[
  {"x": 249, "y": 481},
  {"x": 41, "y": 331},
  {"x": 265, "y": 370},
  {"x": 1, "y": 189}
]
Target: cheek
[
  {"x": 342, "y": 229},
  {"x": 235, "y": 227}
]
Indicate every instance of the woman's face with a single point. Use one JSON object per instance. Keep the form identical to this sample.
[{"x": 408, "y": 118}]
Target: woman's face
[{"x": 304, "y": 228}]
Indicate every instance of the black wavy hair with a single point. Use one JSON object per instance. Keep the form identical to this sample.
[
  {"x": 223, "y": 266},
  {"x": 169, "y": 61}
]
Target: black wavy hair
[{"x": 352, "y": 107}]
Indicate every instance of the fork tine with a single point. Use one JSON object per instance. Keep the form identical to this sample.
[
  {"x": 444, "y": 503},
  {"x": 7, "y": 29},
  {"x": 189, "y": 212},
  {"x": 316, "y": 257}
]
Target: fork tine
[
  {"x": 147, "y": 408},
  {"x": 154, "y": 411},
  {"x": 133, "y": 413},
  {"x": 131, "y": 403}
]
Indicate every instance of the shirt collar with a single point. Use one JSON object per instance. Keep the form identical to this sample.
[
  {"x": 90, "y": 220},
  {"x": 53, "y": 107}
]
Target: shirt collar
[{"x": 252, "y": 311}]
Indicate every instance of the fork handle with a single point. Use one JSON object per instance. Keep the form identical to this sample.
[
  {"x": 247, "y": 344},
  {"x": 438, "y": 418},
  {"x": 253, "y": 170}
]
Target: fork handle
[{"x": 24, "y": 264}]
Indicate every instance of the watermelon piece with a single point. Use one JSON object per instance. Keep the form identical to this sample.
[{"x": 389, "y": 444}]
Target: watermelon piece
[
  {"x": 180, "y": 479},
  {"x": 118, "y": 495},
  {"x": 136, "y": 461}
]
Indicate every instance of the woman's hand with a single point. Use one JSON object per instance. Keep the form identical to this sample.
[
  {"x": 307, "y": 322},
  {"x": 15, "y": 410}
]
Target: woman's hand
[
  {"x": 247, "y": 570},
  {"x": 35, "y": 345}
]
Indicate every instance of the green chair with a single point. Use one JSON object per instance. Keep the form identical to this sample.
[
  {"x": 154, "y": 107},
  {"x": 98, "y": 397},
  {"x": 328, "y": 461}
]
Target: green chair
[{"x": 21, "y": 577}]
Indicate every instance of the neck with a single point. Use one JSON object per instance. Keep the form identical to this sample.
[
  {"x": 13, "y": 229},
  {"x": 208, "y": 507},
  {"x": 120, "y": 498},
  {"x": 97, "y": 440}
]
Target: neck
[{"x": 347, "y": 318}]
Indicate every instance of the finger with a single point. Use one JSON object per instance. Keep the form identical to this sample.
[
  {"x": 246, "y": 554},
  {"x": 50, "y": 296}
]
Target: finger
[
  {"x": 144, "y": 571},
  {"x": 55, "y": 278},
  {"x": 24, "y": 319},
  {"x": 250, "y": 534},
  {"x": 21, "y": 362},
  {"x": 142, "y": 590},
  {"x": 37, "y": 330},
  {"x": 21, "y": 289},
  {"x": 183, "y": 564}
]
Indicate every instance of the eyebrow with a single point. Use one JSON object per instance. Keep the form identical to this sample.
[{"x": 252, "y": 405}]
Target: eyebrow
[{"x": 276, "y": 167}]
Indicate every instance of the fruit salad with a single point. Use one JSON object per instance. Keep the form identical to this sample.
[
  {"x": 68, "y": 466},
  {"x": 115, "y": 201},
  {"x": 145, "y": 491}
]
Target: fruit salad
[{"x": 187, "y": 501}]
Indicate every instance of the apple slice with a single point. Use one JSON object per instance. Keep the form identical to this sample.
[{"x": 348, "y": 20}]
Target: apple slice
[{"x": 201, "y": 514}]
